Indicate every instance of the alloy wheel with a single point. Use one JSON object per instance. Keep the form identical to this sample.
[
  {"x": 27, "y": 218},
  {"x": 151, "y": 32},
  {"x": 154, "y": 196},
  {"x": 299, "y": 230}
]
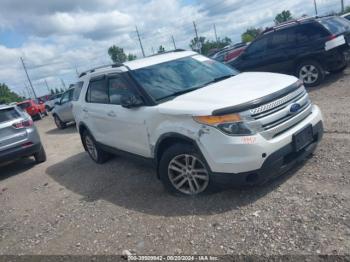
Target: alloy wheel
[
  {"x": 188, "y": 174},
  {"x": 309, "y": 74},
  {"x": 91, "y": 148}
]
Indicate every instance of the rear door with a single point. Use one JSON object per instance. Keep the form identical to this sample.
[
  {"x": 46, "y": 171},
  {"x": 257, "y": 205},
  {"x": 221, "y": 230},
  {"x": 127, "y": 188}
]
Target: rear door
[{"x": 9, "y": 135}]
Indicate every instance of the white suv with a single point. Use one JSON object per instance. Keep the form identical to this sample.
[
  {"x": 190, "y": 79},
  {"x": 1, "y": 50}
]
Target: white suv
[{"x": 201, "y": 122}]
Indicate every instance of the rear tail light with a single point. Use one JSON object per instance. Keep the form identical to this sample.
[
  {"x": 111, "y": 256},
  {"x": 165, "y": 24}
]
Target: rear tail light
[
  {"x": 23, "y": 124},
  {"x": 27, "y": 144},
  {"x": 331, "y": 37}
]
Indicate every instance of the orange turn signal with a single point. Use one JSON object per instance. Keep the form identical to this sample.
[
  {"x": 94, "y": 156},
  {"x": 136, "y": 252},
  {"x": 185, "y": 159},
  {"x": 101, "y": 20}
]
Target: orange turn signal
[{"x": 214, "y": 120}]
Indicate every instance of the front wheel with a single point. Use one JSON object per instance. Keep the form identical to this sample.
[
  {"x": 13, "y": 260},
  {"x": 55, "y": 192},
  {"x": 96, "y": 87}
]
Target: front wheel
[
  {"x": 96, "y": 154},
  {"x": 310, "y": 72},
  {"x": 59, "y": 123},
  {"x": 183, "y": 170}
]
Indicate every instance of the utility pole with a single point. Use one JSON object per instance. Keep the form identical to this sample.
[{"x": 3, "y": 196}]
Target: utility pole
[
  {"x": 197, "y": 39},
  {"x": 342, "y": 6},
  {"x": 216, "y": 36},
  {"x": 138, "y": 35},
  {"x": 76, "y": 71},
  {"x": 172, "y": 37},
  {"x": 315, "y": 7},
  {"x": 29, "y": 94},
  {"x": 48, "y": 89},
  {"x": 30, "y": 82}
]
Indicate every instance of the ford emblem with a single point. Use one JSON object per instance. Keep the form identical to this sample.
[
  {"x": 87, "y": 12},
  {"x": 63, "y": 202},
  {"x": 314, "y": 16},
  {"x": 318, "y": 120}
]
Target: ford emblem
[{"x": 294, "y": 108}]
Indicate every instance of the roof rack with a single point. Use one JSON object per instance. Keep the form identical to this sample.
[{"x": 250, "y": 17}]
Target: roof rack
[
  {"x": 99, "y": 67},
  {"x": 287, "y": 23},
  {"x": 170, "y": 51}
]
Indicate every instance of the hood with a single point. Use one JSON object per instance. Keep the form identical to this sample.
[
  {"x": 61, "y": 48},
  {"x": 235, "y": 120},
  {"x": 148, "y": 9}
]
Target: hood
[{"x": 233, "y": 91}]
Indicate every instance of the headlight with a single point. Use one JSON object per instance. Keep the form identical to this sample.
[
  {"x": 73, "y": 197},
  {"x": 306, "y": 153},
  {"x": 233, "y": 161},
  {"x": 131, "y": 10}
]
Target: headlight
[{"x": 231, "y": 124}]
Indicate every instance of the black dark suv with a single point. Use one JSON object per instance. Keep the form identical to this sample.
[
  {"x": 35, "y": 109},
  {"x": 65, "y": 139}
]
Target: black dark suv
[{"x": 306, "y": 48}]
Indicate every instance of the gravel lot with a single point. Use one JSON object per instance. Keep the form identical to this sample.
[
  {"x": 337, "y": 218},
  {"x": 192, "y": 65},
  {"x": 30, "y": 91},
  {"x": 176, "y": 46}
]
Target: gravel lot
[{"x": 69, "y": 205}]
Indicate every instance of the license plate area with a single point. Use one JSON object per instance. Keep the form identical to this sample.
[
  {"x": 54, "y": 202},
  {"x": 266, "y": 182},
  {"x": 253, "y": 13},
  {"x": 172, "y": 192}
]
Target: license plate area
[{"x": 303, "y": 138}]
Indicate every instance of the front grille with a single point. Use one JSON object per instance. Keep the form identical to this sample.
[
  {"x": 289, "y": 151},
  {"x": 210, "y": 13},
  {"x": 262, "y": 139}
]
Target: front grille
[{"x": 275, "y": 117}]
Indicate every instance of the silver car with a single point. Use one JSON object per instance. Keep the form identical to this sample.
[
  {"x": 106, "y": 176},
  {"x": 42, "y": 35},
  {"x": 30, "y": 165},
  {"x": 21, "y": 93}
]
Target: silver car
[
  {"x": 18, "y": 135},
  {"x": 62, "y": 112}
]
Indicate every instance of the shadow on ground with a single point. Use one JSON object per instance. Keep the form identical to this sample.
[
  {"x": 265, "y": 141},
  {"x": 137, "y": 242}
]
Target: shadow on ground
[
  {"x": 134, "y": 185},
  {"x": 16, "y": 167},
  {"x": 329, "y": 80},
  {"x": 70, "y": 129}
]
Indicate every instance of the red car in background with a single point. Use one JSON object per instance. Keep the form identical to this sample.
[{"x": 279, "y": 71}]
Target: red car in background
[
  {"x": 34, "y": 109},
  {"x": 229, "y": 53}
]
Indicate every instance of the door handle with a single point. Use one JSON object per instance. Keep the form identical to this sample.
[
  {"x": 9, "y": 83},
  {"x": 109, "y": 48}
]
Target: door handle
[
  {"x": 111, "y": 114},
  {"x": 85, "y": 110}
]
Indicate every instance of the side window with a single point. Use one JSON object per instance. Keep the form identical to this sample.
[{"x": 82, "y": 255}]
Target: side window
[
  {"x": 77, "y": 90},
  {"x": 309, "y": 32},
  {"x": 117, "y": 87},
  {"x": 65, "y": 98},
  {"x": 257, "y": 47},
  {"x": 278, "y": 39},
  {"x": 97, "y": 92}
]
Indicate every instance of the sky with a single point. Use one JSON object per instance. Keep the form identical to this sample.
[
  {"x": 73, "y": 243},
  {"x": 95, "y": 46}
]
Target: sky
[{"x": 58, "y": 38}]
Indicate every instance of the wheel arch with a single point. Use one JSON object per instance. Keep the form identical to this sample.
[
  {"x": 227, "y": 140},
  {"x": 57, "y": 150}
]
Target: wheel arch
[
  {"x": 168, "y": 139},
  {"x": 300, "y": 60},
  {"x": 81, "y": 128}
]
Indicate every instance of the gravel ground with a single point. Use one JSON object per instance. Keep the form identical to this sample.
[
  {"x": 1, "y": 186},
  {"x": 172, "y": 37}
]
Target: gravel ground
[{"x": 69, "y": 205}]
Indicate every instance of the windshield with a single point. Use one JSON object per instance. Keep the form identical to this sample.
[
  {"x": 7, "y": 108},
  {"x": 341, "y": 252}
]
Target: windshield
[
  {"x": 24, "y": 105},
  {"x": 179, "y": 76},
  {"x": 336, "y": 25}
]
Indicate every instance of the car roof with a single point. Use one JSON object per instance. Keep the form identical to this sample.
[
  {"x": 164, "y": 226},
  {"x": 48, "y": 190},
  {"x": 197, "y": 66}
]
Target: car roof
[
  {"x": 6, "y": 106},
  {"x": 136, "y": 64},
  {"x": 25, "y": 101},
  {"x": 157, "y": 59}
]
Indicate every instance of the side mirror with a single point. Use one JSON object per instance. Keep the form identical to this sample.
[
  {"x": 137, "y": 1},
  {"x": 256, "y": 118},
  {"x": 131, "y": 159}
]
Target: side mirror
[
  {"x": 129, "y": 101},
  {"x": 57, "y": 103}
]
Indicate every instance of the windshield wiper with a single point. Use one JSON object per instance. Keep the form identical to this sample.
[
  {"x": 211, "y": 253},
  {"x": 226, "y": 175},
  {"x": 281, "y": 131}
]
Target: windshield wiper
[
  {"x": 220, "y": 78},
  {"x": 179, "y": 93}
]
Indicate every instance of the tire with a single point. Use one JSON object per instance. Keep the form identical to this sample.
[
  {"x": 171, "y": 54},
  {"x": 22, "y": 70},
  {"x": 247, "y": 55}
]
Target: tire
[
  {"x": 40, "y": 156},
  {"x": 310, "y": 72},
  {"x": 181, "y": 178},
  {"x": 59, "y": 123},
  {"x": 97, "y": 155},
  {"x": 39, "y": 116}
]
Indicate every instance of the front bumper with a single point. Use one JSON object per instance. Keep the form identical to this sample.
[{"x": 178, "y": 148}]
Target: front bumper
[
  {"x": 236, "y": 157},
  {"x": 275, "y": 165}
]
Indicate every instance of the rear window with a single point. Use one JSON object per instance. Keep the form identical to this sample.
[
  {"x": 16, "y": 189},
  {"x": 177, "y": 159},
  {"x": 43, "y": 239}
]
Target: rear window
[
  {"x": 8, "y": 114},
  {"x": 335, "y": 25},
  {"x": 77, "y": 90},
  {"x": 24, "y": 105}
]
